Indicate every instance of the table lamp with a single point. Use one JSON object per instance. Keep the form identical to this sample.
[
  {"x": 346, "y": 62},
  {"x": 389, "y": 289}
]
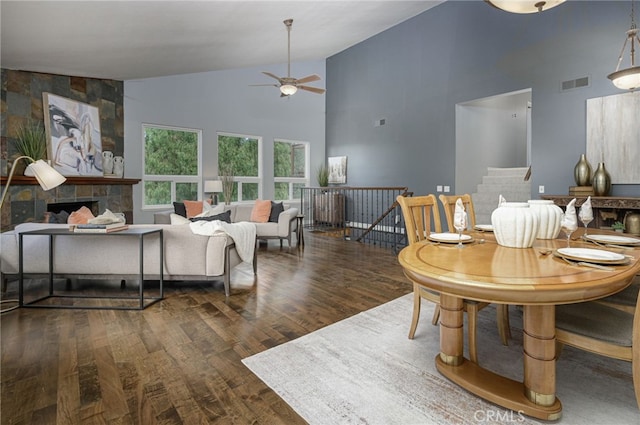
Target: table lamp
[
  {"x": 214, "y": 187},
  {"x": 43, "y": 172}
]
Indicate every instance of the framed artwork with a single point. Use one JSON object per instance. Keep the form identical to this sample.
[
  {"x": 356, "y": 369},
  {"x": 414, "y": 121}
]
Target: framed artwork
[
  {"x": 337, "y": 169},
  {"x": 74, "y": 143},
  {"x": 613, "y": 132}
]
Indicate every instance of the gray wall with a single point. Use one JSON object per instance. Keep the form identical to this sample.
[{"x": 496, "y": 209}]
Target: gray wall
[
  {"x": 223, "y": 101},
  {"x": 415, "y": 73}
]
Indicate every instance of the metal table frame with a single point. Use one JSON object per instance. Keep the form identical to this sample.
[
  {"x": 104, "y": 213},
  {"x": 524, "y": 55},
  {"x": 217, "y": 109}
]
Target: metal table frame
[{"x": 64, "y": 232}]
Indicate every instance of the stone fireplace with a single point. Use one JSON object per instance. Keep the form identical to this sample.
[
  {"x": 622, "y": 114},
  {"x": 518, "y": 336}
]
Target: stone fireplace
[{"x": 27, "y": 202}]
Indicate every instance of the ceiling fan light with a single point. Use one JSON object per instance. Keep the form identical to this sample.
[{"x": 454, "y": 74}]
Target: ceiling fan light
[
  {"x": 626, "y": 79},
  {"x": 288, "y": 89},
  {"x": 524, "y": 6}
]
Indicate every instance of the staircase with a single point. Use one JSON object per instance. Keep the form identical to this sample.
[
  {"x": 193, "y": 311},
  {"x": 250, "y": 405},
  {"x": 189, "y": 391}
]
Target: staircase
[{"x": 508, "y": 182}]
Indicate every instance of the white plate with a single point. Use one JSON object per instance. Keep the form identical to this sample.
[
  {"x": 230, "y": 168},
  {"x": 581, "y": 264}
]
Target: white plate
[
  {"x": 592, "y": 255},
  {"x": 449, "y": 238},
  {"x": 484, "y": 227},
  {"x": 614, "y": 239}
]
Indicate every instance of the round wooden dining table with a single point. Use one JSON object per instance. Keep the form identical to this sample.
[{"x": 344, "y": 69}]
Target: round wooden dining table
[{"x": 535, "y": 278}]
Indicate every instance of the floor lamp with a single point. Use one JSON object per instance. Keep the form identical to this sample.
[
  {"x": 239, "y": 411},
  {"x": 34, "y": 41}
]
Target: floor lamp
[{"x": 48, "y": 179}]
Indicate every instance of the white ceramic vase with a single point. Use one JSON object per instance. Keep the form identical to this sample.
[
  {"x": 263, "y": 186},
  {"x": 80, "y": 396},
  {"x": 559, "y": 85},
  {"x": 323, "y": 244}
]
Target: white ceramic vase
[
  {"x": 515, "y": 225},
  {"x": 549, "y": 218}
]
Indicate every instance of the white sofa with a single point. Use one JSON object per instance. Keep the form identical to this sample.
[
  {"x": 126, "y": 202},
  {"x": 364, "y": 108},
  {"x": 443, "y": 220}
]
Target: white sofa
[
  {"x": 187, "y": 256},
  {"x": 283, "y": 229}
]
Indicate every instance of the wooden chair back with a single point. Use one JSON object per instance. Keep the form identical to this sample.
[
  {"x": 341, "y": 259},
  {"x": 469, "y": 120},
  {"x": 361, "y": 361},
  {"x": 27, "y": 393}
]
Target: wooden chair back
[
  {"x": 449, "y": 205},
  {"x": 420, "y": 214}
]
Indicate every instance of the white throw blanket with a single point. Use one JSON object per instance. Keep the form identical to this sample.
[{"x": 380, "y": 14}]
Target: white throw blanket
[{"x": 242, "y": 233}]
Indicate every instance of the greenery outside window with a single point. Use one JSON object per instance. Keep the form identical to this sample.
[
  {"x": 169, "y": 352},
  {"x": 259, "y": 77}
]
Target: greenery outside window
[
  {"x": 290, "y": 169},
  {"x": 171, "y": 164},
  {"x": 244, "y": 154}
]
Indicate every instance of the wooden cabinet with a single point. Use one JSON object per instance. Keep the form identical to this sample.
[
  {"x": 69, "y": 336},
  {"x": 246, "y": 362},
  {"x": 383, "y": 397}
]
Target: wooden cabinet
[
  {"x": 328, "y": 209},
  {"x": 606, "y": 209}
]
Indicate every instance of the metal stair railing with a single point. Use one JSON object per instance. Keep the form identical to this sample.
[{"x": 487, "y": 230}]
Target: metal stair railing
[{"x": 362, "y": 214}]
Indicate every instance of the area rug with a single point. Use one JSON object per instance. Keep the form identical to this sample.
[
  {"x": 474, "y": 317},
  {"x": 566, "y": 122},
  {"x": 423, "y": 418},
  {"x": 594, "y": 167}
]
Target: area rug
[{"x": 364, "y": 370}]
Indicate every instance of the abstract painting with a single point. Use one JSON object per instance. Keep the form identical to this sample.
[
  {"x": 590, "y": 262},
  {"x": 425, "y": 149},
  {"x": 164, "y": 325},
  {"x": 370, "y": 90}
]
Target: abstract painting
[
  {"x": 73, "y": 136},
  {"x": 337, "y": 169}
]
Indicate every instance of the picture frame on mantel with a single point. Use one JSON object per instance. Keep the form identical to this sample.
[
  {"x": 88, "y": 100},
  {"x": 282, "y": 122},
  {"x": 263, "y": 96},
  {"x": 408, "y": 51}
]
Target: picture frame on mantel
[
  {"x": 74, "y": 143},
  {"x": 612, "y": 121},
  {"x": 337, "y": 169}
]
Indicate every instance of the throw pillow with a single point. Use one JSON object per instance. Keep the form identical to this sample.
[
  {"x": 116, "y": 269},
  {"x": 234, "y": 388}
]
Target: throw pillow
[
  {"x": 276, "y": 209},
  {"x": 211, "y": 211},
  {"x": 82, "y": 216},
  {"x": 261, "y": 211},
  {"x": 57, "y": 218},
  {"x": 178, "y": 219},
  {"x": 194, "y": 208},
  {"x": 179, "y": 208},
  {"x": 225, "y": 216}
]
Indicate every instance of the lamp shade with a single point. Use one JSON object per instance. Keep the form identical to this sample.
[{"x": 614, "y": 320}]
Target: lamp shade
[
  {"x": 524, "y": 6},
  {"x": 627, "y": 79},
  {"x": 288, "y": 89},
  {"x": 212, "y": 186},
  {"x": 46, "y": 175}
]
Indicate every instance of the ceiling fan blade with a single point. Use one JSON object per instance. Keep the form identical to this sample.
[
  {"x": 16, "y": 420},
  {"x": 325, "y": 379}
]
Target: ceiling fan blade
[
  {"x": 312, "y": 89},
  {"x": 308, "y": 79},
  {"x": 271, "y": 75}
]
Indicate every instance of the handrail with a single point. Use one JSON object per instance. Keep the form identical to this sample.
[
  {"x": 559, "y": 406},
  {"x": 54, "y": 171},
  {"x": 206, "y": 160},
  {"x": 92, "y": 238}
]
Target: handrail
[{"x": 382, "y": 217}]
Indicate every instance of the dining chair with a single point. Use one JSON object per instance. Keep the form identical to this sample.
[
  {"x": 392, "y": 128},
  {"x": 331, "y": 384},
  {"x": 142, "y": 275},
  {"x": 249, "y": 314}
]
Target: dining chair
[
  {"x": 602, "y": 329},
  {"x": 449, "y": 206},
  {"x": 421, "y": 214}
]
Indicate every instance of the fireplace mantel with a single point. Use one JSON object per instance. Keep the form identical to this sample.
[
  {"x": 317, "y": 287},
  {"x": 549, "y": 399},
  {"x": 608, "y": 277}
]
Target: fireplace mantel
[{"x": 26, "y": 181}]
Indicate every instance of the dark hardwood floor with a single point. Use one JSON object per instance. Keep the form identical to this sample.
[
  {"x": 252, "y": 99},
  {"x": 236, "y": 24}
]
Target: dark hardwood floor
[{"x": 179, "y": 361}]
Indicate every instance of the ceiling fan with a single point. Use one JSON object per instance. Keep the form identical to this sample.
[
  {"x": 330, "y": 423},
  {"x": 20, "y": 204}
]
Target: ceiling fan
[{"x": 289, "y": 85}]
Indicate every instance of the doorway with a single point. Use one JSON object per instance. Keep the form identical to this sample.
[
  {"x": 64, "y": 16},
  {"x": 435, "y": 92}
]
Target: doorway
[{"x": 491, "y": 132}]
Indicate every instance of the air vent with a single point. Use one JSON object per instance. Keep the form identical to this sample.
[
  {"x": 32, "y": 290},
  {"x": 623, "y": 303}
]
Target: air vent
[{"x": 575, "y": 84}]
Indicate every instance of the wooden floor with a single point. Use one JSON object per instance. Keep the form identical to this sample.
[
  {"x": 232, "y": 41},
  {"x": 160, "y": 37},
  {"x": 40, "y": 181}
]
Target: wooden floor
[{"x": 179, "y": 361}]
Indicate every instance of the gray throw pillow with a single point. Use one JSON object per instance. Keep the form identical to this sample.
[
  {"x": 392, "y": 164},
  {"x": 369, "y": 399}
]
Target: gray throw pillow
[
  {"x": 225, "y": 216},
  {"x": 276, "y": 209}
]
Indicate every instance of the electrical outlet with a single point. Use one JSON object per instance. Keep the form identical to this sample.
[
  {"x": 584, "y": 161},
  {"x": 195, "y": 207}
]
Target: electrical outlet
[
  {"x": 439, "y": 188},
  {"x": 447, "y": 189},
  {"x": 541, "y": 189}
]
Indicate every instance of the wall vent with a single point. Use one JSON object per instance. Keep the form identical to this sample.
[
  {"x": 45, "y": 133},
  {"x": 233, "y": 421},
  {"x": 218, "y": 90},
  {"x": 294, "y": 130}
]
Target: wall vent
[{"x": 575, "y": 84}]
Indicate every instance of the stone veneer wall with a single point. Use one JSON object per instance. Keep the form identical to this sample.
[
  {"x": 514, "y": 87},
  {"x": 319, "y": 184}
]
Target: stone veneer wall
[{"x": 21, "y": 96}]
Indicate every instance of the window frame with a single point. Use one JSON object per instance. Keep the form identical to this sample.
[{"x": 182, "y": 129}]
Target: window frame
[
  {"x": 293, "y": 180},
  {"x": 240, "y": 180},
  {"x": 172, "y": 178}
]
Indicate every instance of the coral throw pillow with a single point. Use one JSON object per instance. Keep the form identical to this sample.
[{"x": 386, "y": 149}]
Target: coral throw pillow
[
  {"x": 261, "y": 211},
  {"x": 82, "y": 216},
  {"x": 193, "y": 208}
]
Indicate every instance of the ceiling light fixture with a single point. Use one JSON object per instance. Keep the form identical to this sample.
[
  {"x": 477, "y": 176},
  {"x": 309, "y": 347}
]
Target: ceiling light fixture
[
  {"x": 524, "y": 6},
  {"x": 288, "y": 89},
  {"x": 628, "y": 78}
]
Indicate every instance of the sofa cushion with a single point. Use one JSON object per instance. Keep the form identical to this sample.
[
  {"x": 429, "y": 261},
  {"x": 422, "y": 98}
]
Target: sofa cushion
[
  {"x": 209, "y": 210},
  {"x": 276, "y": 209},
  {"x": 261, "y": 211},
  {"x": 179, "y": 208},
  {"x": 225, "y": 216},
  {"x": 81, "y": 216}
]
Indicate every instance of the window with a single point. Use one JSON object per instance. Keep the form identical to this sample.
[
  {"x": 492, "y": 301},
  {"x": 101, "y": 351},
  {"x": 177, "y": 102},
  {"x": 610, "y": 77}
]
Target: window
[
  {"x": 171, "y": 165},
  {"x": 243, "y": 154},
  {"x": 290, "y": 161}
]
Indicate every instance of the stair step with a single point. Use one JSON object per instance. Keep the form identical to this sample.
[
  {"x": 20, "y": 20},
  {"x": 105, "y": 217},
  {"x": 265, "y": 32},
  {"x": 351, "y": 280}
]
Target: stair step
[
  {"x": 504, "y": 180},
  {"x": 516, "y": 171}
]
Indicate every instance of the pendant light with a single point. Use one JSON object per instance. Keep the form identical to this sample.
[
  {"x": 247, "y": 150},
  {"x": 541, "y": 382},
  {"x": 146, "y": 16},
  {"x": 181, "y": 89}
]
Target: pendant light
[
  {"x": 628, "y": 78},
  {"x": 524, "y": 6}
]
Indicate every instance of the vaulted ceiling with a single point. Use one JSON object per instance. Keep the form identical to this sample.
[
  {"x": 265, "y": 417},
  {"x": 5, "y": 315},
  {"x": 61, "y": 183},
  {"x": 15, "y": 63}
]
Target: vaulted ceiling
[{"x": 125, "y": 40}]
